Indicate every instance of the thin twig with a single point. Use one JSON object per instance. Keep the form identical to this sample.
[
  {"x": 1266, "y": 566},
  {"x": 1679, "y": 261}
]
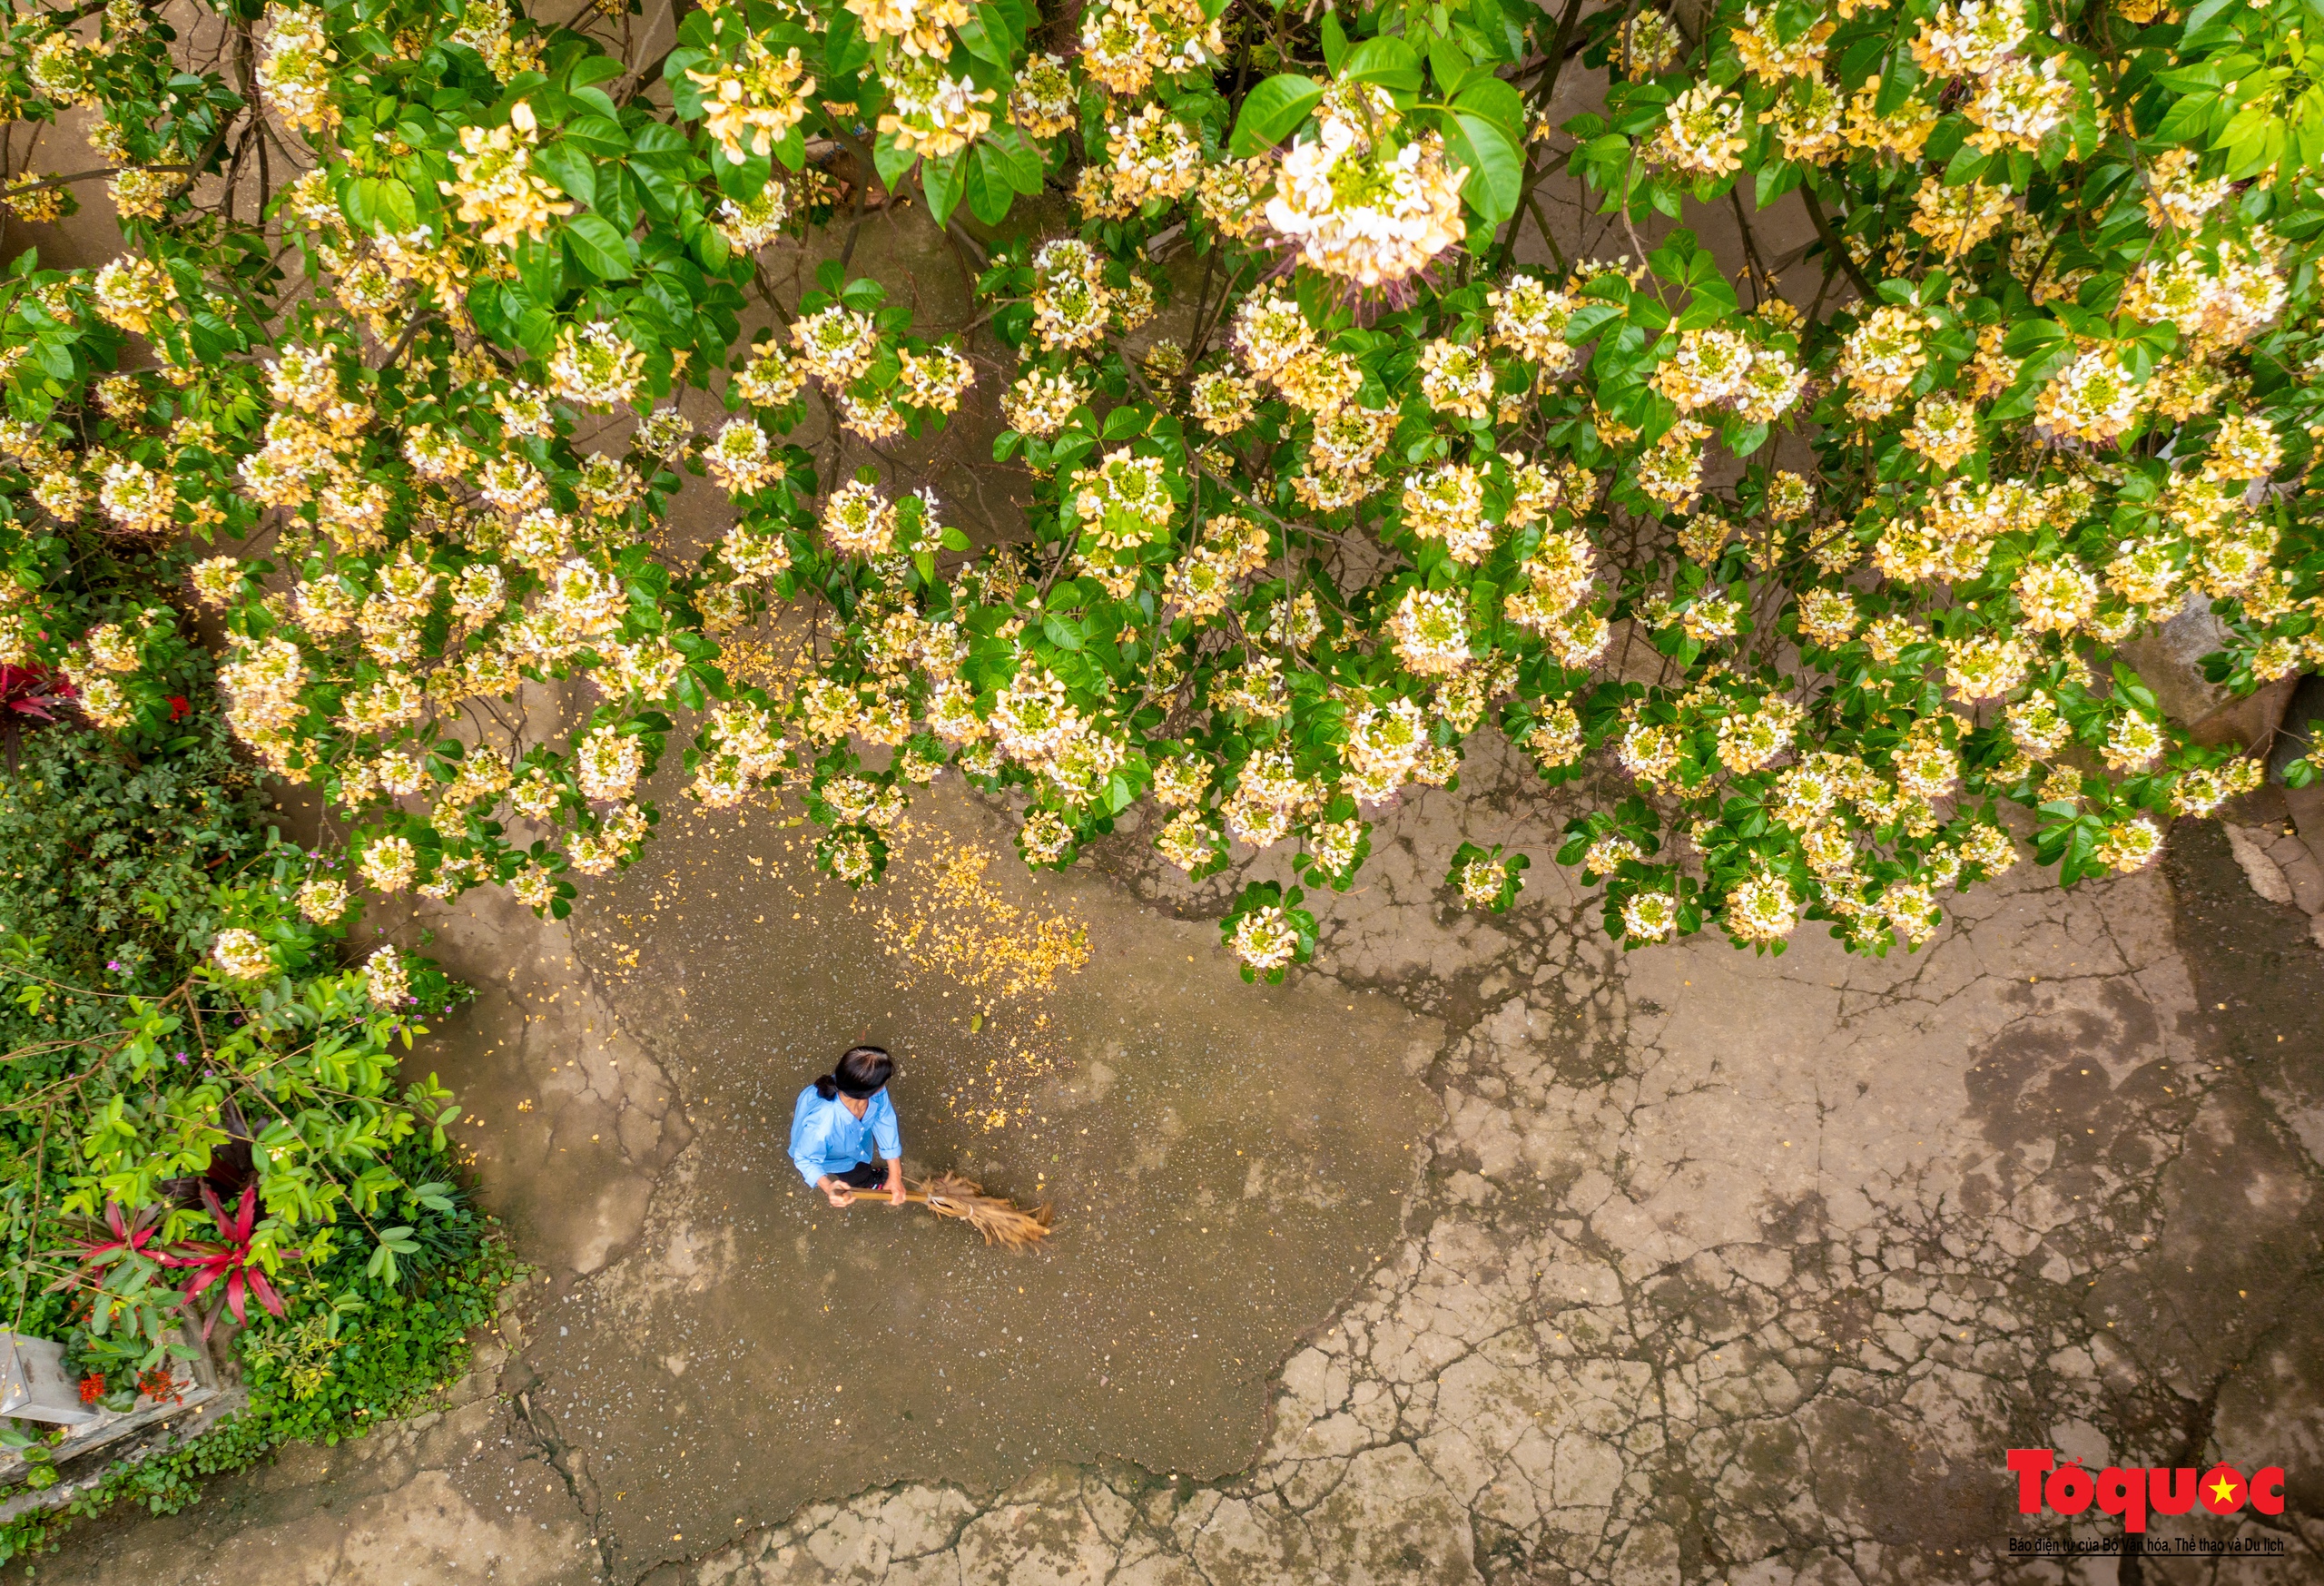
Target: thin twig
[
  {"x": 403, "y": 343},
  {"x": 31, "y": 1219},
  {"x": 88, "y": 176},
  {"x": 1833, "y": 243}
]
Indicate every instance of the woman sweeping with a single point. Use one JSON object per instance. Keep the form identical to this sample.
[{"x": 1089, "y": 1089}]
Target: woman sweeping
[{"x": 841, "y": 1120}]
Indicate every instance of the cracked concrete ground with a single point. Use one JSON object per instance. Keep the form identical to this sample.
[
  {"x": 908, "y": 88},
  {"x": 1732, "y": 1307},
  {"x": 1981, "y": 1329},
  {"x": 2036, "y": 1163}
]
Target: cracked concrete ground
[
  {"x": 1708, "y": 1267},
  {"x": 1703, "y": 1267}
]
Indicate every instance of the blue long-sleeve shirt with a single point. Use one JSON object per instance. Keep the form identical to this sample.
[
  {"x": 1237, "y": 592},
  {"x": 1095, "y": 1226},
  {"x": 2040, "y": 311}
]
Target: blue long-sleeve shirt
[{"x": 825, "y": 1137}]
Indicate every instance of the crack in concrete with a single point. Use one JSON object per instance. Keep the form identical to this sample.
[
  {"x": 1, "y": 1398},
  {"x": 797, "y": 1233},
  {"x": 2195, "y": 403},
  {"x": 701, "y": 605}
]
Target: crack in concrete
[
  {"x": 539, "y": 1426},
  {"x": 1712, "y": 1269},
  {"x": 1700, "y": 1406}
]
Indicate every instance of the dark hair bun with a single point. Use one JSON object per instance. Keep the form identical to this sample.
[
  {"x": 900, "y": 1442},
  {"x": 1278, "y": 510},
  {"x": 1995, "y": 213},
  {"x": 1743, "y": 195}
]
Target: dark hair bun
[
  {"x": 864, "y": 1070},
  {"x": 827, "y": 1085}
]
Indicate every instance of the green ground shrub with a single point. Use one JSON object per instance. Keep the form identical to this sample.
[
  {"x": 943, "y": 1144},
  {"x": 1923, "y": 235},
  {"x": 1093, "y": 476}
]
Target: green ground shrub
[{"x": 141, "y": 1077}]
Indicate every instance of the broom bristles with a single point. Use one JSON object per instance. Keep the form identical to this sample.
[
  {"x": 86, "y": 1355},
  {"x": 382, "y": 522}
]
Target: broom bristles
[{"x": 1001, "y": 1222}]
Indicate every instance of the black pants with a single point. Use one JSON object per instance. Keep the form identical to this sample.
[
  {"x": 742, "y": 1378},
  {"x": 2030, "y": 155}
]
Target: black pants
[{"x": 864, "y": 1175}]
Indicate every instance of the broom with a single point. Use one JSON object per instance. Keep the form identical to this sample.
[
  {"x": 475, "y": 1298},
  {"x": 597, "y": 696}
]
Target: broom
[{"x": 949, "y": 1195}]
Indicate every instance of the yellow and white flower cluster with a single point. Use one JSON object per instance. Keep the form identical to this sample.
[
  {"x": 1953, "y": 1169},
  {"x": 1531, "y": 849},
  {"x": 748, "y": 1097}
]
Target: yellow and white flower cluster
[
  {"x": 1359, "y": 202},
  {"x": 1127, "y": 44},
  {"x": 936, "y": 114},
  {"x": 294, "y": 73},
  {"x": 748, "y": 106},
  {"x": 494, "y": 185}
]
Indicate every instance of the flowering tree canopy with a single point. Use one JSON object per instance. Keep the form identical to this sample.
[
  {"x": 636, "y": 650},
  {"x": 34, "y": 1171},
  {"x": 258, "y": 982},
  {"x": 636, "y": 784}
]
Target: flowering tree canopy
[{"x": 1804, "y": 565}]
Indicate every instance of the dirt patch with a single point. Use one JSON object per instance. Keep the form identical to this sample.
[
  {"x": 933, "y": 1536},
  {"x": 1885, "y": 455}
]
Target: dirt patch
[{"x": 1225, "y": 1166}]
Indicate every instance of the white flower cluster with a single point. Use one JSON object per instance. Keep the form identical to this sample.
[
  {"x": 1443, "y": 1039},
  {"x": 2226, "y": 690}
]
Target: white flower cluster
[
  {"x": 1264, "y": 938},
  {"x": 741, "y": 750},
  {"x": 936, "y": 114},
  {"x": 1360, "y": 204},
  {"x": 1126, "y": 43},
  {"x": 294, "y": 73},
  {"x": 1713, "y": 368},
  {"x": 747, "y": 104},
  {"x": 242, "y": 953},
  {"x": 1041, "y": 401},
  {"x": 595, "y": 365},
  {"x": 1035, "y": 724},
  {"x": 1431, "y": 628},
  {"x": 1123, "y": 502}
]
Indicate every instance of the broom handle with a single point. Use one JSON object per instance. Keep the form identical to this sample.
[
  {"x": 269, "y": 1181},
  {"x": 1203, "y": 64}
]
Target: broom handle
[{"x": 914, "y": 1196}]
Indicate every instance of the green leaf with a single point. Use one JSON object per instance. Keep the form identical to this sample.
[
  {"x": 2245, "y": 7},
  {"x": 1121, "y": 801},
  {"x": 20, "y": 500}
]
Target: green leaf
[
  {"x": 941, "y": 181},
  {"x": 1009, "y": 17},
  {"x": 1584, "y": 321},
  {"x": 2247, "y": 124},
  {"x": 985, "y": 180},
  {"x": 1450, "y": 64},
  {"x": 709, "y": 245},
  {"x": 1389, "y": 62},
  {"x": 741, "y": 183},
  {"x": 540, "y": 265},
  {"x": 1497, "y": 102},
  {"x": 597, "y": 248},
  {"x": 1275, "y": 108},
  {"x": 2032, "y": 335},
  {"x": 1965, "y": 166},
  {"x": 2201, "y": 17},
  {"x": 989, "y": 44},
  {"x": 1019, "y": 160},
  {"x": 890, "y": 162},
  {"x": 1860, "y": 58},
  {"x": 590, "y": 69},
  {"x": 656, "y": 141},
  {"x": 1896, "y": 84},
  {"x": 1496, "y": 173},
  {"x": 1707, "y": 310},
  {"x": 1773, "y": 180},
  {"x": 845, "y": 49},
  {"x": 1334, "y": 42},
  {"x": 597, "y": 134},
  {"x": 570, "y": 169},
  {"x": 380, "y": 203},
  {"x": 1063, "y": 634}
]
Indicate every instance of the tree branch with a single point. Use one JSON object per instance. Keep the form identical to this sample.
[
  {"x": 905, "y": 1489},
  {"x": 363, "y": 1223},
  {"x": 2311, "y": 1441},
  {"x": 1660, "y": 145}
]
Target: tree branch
[
  {"x": 1833, "y": 244},
  {"x": 89, "y": 176}
]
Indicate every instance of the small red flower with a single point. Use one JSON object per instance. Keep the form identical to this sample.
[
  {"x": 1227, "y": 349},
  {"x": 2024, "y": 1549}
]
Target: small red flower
[
  {"x": 158, "y": 1385},
  {"x": 179, "y": 708},
  {"x": 93, "y": 1387}
]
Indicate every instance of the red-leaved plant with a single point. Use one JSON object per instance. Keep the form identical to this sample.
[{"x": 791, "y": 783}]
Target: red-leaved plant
[
  {"x": 120, "y": 1261},
  {"x": 28, "y": 695},
  {"x": 131, "y": 1239},
  {"x": 227, "y": 1259}
]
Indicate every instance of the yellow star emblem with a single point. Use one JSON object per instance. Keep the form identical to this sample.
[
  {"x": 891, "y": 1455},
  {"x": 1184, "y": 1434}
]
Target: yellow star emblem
[{"x": 2222, "y": 1489}]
